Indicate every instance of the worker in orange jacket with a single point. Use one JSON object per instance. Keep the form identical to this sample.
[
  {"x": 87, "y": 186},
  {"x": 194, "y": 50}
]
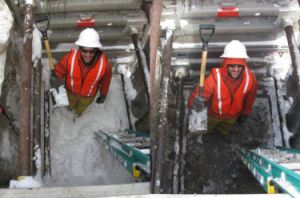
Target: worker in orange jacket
[
  {"x": 229, "y": 92},
  {"x": 85, "y": 70}
]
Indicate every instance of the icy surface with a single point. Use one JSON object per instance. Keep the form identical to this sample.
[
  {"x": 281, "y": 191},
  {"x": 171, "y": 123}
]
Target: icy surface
[
  {"x": 27, "y": 182},
  {"x": 6, "y": 22},
  {"x": 198, "y": 120},
  {"x": 36, "y": 43},
  {"x": 168, "y": 24},
  {"x": 130, "y": 92},
  {"x": 61, "y": 97},
  {"x": 288, "y": 187},
  {"x": 77, "y": 159}
]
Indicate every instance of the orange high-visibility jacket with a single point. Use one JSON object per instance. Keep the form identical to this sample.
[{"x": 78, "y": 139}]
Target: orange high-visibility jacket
[
  {"x": 62, "y": 70},
  {"x": 222, "y": 101},
  {"x": 232, "y": 98},
  {"x": 87, "y": 86}
]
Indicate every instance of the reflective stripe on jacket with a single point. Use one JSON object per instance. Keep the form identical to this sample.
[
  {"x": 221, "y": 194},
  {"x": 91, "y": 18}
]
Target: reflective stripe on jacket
[
  {"x": 88, "y": 85},
  {"x": 222, "y": 101}
]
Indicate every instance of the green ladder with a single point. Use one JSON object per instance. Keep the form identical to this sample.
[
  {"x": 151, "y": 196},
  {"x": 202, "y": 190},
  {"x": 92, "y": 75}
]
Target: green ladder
[
  {"x": 278, "y": 168},
  {"x": 130, "y": 148}
]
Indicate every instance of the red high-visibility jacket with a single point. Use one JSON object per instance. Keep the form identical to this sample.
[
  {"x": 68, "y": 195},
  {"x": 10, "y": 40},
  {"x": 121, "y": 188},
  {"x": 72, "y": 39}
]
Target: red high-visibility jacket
[
  {"x": 236, "y": 96},
  {"x": 82, "y": 80}
]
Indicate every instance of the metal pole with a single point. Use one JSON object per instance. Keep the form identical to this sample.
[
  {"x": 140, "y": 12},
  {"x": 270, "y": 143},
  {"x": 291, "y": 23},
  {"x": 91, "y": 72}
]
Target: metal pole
[
  {"x": 141, "y": 61},
  {"x": 146, "y": 7},
  {"x": 47, "y": 161},
  {"x": 294, "y": 52},
  {"x": 178, "y": 134},
  {"x": 159, "y": 160},
  {"x": 25, "y": 106},
  {"x": 154, "y": 36},
  {"x": 126, "y": 102},
  {"x": 37, "y": 108}
]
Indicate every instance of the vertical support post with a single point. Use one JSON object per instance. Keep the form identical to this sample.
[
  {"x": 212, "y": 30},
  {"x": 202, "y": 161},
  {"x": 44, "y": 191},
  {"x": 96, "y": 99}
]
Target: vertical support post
[
  {"x": 178, "y": 133},
  {"x": 294, "y": 52},
  {"x": 36, "y": 129},
  {"x": 146, "y": 7},
  {"x": 159, "y": 161},
  {"x": 154, "y": 36},
  {"x": 25, "y": 106},
  {"x": 141, "y": 61},
  {"x": 126, "y": 102},
  {"x": 47, "y": 161}
]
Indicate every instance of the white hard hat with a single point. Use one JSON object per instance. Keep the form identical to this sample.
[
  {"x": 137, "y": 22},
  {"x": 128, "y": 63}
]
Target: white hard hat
[
  {"x": 89, "y": 38},
  {"x": 235, "y": 49}
]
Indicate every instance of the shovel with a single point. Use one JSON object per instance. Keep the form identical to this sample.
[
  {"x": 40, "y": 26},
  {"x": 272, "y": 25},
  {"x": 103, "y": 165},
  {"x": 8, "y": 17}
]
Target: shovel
[
  {"x": 198, "y": 120},
  {"x": 45, "y": 38}
]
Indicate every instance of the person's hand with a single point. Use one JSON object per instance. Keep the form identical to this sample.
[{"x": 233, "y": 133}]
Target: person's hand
[
  {"x": 55, "y": 82},
  {"x": 242, "y": 118},
  {"x": 198, "y": 103},
  {"x": 101, "y": 99}
]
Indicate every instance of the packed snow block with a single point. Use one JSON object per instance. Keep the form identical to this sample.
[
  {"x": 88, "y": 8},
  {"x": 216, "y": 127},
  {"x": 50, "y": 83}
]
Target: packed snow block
[
  {"x": 198, "y": 121},
  {"x": 6, "y": 22},
  {"x": 61, "y": 97}
]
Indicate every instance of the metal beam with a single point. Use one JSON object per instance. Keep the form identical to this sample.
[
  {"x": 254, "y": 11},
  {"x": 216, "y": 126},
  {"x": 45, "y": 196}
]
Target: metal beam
[
  {"x": 154, "y": 37},
  {"x": 212, "y": 12},
  {"x": 294, "y": 52},
  {"x": 126, "y": 102},
  {"x": 36, "y": 117},
  {"x": 25, "y": 106},
  {"x": 49, "y": 7},
  {"x": 178, "y": 134},
  {"x": 99, "y": 20},
  {"x": 159, "y": 161},
  {"x": 146, "y": 7},
  {"x": 141, "y": 62}
]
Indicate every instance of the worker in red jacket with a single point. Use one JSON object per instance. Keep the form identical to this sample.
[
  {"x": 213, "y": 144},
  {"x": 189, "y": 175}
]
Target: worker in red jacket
[
  {"x": 85, "y": 70},
  {"x": 229, "y": 92}
]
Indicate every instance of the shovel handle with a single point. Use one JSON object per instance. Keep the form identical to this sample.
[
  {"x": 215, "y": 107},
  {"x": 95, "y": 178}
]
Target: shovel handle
[
  {"x": 204, "y": 53},
  {"x": 44, "y": 32},
  {"x": 211, "y": 27},
  {"x": 49, "y": 54},
  {"x": 202, "y": 72}
]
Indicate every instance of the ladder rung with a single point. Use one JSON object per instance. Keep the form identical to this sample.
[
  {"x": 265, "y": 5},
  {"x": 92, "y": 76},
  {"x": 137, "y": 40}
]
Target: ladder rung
[
  {"x": 128, "y": 136},
  {"x": 134, "y": 139},
  {"x": 125, "y": 135},
  {"x": 140, "y": 145}
]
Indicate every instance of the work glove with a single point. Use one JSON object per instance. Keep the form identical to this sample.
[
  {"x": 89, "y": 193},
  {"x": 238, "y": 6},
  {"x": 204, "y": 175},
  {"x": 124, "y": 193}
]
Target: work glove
[
  {"x": 101, "y": 99},
  {"x": 55, "y": 82},
  {"x": 242, "y": 118},
  {"x": 198, "y": 103}
]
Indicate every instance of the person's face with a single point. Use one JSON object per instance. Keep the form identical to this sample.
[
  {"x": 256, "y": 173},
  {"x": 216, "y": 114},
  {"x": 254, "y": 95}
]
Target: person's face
[
  {"x": 235, "y": 70},
  {"x": 87, "y": 53}
]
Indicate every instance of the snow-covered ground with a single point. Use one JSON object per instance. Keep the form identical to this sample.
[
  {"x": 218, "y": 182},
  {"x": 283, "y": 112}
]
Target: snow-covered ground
[{"x": 77, "y": 159}]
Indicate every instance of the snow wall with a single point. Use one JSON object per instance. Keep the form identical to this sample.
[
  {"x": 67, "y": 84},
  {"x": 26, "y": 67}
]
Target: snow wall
[{"x": 6, "y": 22}]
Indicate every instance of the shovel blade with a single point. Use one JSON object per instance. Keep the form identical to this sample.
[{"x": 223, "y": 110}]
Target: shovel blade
[{"x": 198, "y": 121}]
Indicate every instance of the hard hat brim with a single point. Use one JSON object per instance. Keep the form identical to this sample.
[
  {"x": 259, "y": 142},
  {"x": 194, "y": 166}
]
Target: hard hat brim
[
  {"x": 231, "y": 56},
  {"x": 89, "y": 45}
]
